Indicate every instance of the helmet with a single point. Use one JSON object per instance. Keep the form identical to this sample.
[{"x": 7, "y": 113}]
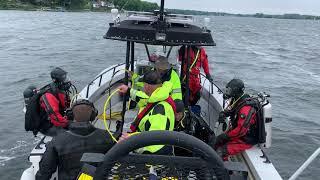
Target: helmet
[
  {"x": 234, "y": 88},
  {"x": 58, "y": 75}
]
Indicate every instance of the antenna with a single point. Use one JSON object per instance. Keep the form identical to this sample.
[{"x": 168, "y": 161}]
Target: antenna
[{"x": 162, "y": 10}]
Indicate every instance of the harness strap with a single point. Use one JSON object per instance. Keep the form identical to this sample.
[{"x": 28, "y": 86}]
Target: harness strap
[
  {"x": 194, "y": 62},
  {"x": 49, "y": 108},
  {"x": 146, "y": 110}
]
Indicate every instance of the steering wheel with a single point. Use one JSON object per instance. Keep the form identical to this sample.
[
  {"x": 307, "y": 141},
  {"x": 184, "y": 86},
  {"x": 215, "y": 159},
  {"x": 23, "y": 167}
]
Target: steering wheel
[{"x": 123, "y": 148}]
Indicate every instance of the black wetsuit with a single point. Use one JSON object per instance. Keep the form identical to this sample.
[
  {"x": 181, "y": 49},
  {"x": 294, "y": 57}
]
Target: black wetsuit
[{"x": 66, "y": 149}]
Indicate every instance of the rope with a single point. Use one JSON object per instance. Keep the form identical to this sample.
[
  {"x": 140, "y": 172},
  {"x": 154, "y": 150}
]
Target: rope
[
  {"x": 231, "y": 106},
  {"x": 74, "y": 98},
  {"x": 194, "y": 62},
  {"x": 105, "y": 115}
]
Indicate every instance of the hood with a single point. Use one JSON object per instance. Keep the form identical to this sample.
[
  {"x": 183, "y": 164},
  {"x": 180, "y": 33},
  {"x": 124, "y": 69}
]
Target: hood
[
  {"x": 161, "y": 93},
  {"x": 81, "y": 128}
]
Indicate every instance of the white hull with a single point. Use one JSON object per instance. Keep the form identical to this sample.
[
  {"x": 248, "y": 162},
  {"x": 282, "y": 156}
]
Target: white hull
[{"x": 211, "y": 103}]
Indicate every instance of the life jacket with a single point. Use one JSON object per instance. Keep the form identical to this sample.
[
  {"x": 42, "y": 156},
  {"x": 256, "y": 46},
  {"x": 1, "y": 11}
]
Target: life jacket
[
  {"x": 146, "y": 110},
  {"x": 257, "y": 133},
  {"x": 33, "y": 116}
]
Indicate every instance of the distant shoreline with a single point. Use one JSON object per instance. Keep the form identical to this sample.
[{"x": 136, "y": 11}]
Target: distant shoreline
[
  {"x": 256, "y": 15},
  {"x": 29, "y": 7}
]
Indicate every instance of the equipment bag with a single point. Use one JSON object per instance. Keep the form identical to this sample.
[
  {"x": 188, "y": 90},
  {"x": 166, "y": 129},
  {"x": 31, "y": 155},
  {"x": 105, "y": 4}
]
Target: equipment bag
[
  {"x": 32, "y": 106},
  {"x": 260, "y": 133}
]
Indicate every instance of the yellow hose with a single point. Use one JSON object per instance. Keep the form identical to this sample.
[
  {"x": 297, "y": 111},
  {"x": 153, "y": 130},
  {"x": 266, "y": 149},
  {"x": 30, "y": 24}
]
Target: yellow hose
[
  {"x": 74, "y": 98},
  {"x": 105, "y": 109},
  {"x": 105, "y": 115},
  {"x": 114, "y": 115}
]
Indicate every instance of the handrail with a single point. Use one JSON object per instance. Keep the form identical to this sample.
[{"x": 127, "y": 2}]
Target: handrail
[
  {"x": 305, "y": 164},
  {"x": 100, "y": 76},
  {"x": 212, "y": 83}
]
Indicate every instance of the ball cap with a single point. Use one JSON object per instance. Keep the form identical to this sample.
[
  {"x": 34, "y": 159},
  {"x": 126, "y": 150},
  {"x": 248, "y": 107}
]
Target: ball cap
[
  {"x": 152, "y": 77},
  {"x": 162, "y": 63}
]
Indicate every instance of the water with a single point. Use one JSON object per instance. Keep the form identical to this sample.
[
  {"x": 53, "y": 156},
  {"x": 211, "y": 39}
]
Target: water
[{"x": 281, "y": 57}]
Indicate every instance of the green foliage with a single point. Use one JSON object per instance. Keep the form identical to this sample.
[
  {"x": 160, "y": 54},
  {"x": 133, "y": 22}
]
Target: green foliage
[
  {"x": 131, "y": 5},
  {"x": 135, "y": 5}
]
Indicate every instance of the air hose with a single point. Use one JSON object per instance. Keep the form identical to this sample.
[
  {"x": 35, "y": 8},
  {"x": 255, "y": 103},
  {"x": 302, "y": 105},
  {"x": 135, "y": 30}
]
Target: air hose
[{"x": 105, "y": 115}]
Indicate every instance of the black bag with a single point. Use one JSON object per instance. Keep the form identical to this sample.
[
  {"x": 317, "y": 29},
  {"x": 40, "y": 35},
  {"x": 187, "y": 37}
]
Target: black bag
[{"x": 33, "y": 119}]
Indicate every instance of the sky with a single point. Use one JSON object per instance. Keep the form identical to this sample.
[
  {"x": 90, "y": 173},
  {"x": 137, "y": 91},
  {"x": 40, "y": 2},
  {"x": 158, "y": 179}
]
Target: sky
[{"x": 310, "y": 7}]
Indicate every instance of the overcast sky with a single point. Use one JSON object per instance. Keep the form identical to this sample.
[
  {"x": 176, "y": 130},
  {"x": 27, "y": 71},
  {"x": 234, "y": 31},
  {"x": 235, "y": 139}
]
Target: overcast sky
[{"x": 311, "y": 7}]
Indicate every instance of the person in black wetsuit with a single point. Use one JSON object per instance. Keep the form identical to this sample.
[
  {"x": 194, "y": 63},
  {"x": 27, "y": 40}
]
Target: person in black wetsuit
[{"x": 66, "y": 149}]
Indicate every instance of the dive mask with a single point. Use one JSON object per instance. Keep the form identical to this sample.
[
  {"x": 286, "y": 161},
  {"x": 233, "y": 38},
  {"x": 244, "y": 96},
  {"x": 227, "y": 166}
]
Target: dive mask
[{"x": 228, "y": 93}]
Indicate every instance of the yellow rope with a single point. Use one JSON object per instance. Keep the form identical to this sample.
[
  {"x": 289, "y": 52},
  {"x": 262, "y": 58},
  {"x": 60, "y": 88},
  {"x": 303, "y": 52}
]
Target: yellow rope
[
  {"x": 74, "y": 98},
  {"x": 114, "y": 115},
  {"x": 194, "y": 62},
  {"x": 105, "y": 115},
  {"x": 105, "y": 109},
  {"x": 231, "y": 106}
]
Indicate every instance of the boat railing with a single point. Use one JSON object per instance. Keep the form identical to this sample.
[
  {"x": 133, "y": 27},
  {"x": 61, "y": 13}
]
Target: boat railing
[
  {"x": 101, "y": 76},
  {"x": 212, "y": 84},
  {"x": 305, "y": 164}
]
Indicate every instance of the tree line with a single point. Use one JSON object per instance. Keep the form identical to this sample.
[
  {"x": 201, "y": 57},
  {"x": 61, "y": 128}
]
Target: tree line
[
  {"x": 257, "y": 15},
  {"x": 130, "y": 5}
]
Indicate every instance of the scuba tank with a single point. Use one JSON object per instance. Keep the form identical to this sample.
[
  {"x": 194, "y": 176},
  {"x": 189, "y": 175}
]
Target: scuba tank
[
  {"x": 27, "y": 94},
  {"x": 267, "y": 116}
]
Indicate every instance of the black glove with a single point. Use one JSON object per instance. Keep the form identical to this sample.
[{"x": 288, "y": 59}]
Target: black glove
[
  {"x": 222, "y": 139},
  {"x": 222, "y": 117},
  {"x": 209, "y": 77}
]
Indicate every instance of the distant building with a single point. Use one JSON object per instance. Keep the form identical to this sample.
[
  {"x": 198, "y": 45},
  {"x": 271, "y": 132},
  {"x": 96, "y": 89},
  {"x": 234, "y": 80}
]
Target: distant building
[
  {"x": 102, "y": 3},
  {"x": 99, "y": 3},
  {"x": 95, "y": 5},
  {"x": 110, "y": 5}
]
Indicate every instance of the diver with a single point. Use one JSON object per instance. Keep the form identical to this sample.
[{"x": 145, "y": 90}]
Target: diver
[
  {"x": 66, "y": 149},
  {"x": 192, "y": 124},
  {"x": 180, "y": 112},
  {"x": 243, "y": 117},
  {"x": 54, "y": 102},
  {"x": 157, "y": 110},
  {"x": 198, "y": 59}
]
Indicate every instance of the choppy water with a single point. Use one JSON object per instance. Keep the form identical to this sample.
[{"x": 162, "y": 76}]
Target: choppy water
[{"x": 281, "y": 57}]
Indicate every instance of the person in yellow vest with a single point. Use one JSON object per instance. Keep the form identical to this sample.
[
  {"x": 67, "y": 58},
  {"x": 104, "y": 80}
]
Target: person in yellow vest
[
  {"x": 158, "y": 112},
  {"x": 167, "y": 74}
]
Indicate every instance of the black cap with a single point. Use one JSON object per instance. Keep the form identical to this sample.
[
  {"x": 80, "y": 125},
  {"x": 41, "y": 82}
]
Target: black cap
[
  {"x": 58, "y": 74},
  {"x": 152, "y": 77},
  {"x": 179, "y": 105},
  {"x": 235, "y": 84},
  {"x": 234, "y": 88}
]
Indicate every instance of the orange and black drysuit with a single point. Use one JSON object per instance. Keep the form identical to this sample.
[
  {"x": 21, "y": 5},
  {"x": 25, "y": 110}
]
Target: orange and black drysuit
[
  {"x": 243, "y": 132},
  {"x": 198, "y": 59},
  {"x": 53, "y": 106}
]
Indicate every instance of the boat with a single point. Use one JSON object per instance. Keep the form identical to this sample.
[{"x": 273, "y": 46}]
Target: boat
[{"x": 165, "y": 30}]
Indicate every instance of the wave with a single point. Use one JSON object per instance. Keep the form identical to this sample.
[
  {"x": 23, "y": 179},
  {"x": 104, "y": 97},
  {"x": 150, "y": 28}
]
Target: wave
[
  {"x": 4, "y": 159},
  {"x": 313, "y": 75}
]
